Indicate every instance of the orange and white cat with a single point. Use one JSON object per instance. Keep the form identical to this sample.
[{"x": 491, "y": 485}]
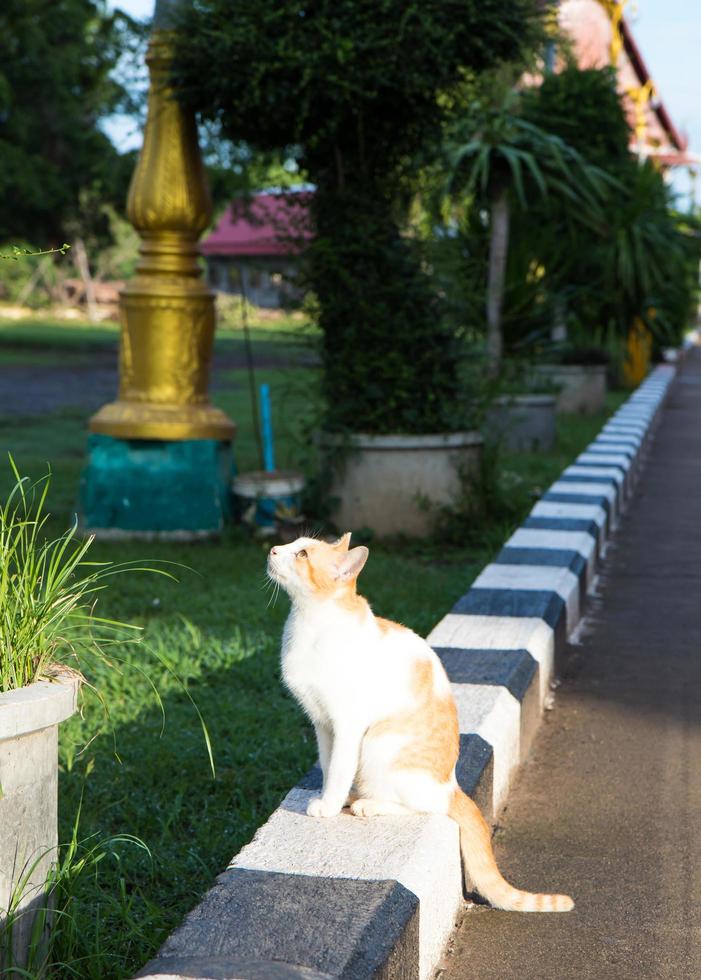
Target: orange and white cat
[{"x": 380, "y": 701}]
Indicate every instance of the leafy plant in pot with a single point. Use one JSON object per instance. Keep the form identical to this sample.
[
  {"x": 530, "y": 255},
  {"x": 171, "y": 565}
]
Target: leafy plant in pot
[
  {"x": 358, "y": 89},
  {"x": 48, "y": 626}
]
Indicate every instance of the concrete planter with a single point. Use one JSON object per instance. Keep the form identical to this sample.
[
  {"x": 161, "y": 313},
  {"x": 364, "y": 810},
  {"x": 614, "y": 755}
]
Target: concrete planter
[
  {"x": 29, "y": 720},
  {"x": 392, "y": 484},
  {"x": 260, "y": 497},
  {"x": 522, "y": 423},
  {"x": 582, "y": 386}
]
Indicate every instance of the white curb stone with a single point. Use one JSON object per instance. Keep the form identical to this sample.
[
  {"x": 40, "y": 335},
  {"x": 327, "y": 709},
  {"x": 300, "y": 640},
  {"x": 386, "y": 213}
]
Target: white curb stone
[{"x": 501, "y": 633}]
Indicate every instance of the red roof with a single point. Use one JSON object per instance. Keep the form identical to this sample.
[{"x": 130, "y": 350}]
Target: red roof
[{"x": 269, "y": 223}]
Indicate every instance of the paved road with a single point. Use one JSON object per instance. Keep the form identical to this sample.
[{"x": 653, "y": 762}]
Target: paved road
[
  {"x": 78, "y": 379},
  {"x": 609, "y": 806}
]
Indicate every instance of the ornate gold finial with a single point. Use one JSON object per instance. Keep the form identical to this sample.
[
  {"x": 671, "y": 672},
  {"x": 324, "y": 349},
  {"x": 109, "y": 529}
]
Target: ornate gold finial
[
  {"x": 640, "y": 97},
  {"x": 167, "y": 310},
  {"x": 614, "y": 9}
]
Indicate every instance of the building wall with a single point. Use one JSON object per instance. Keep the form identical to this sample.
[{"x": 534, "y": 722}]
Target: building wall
[{"x": 268, "y": 282}]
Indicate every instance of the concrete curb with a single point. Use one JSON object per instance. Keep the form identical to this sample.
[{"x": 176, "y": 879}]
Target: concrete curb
[{"x": 358, "y": 898}]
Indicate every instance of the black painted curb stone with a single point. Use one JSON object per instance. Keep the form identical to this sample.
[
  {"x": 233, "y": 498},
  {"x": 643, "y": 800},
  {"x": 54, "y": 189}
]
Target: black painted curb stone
[{"x": 353, "y": 898}]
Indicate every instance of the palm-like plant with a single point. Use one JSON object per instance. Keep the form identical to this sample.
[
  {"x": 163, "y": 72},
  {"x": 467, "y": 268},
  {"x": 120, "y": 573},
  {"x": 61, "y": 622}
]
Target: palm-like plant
[
  {"x": 643, "y": 263},
  {"x": 642, "y": 256},
  {"x": 506, "y": 160}
]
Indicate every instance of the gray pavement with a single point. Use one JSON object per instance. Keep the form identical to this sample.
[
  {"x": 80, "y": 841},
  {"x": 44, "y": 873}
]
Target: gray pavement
[
  {"x": 41, "y": 380},
  {"x": 608, "y": 807}
]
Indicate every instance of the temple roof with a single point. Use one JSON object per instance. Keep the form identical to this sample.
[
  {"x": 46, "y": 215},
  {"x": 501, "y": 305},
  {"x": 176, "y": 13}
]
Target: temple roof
[
  {"x": 600, "y": 36},
  {"x": 274, "y": 221}
]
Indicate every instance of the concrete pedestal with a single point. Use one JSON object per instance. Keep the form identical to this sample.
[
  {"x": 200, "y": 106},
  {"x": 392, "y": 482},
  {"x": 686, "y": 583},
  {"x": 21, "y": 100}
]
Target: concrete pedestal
[{"x": 144, "y": 487}]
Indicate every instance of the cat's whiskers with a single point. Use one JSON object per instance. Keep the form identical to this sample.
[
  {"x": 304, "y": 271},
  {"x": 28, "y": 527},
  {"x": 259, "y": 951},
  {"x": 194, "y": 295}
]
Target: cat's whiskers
[
  {"x": 273, "y": 595},
  {"x": 273, "y": 586}
]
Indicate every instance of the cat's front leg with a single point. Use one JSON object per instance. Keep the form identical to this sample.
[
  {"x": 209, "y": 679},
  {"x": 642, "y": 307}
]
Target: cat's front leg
[
  {"x": 324, "y": 738},
  {"x": 338, "y": 780}
]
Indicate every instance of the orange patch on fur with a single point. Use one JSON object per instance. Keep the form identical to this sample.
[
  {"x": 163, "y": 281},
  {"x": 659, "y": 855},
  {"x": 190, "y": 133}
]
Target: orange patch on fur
[
  {"x": 436, "y": 742},
  {"x": 352, "y": 602},
  {"x": 388, "y": 626},
  {"x": 422, "y": 680},
  {"x": 430, "y": 729},
  {"x": 318, "y": 570}
]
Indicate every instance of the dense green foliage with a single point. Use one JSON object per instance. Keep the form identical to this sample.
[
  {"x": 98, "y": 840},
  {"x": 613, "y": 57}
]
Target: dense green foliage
[
  {"x": 503, "y": 163},
  {"x": 636, "y": 262},
  {"x": 582, "y": 107},
  {"x": 56, "y": 61},
  {"x": 359, "y": 87}
]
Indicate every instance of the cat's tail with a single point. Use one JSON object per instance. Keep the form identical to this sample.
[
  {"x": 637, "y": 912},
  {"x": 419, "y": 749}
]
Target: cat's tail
[{"x": 480, "y": 865}]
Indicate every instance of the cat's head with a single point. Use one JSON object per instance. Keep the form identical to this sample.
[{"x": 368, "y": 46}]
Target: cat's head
[{"x": 309, "y": 568}]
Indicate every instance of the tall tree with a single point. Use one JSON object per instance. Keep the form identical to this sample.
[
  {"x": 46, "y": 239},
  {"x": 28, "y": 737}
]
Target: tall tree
[
  {"x": 507, "y": 164},
  {"x": 56, "y": 83},
  {"x": 360, "y": 86}
]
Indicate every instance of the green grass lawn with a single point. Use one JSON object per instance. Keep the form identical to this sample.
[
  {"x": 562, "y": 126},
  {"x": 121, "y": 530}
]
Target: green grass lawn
[
  {"x": 142, "y": 766},
  {"x": 43, "y": 331}
]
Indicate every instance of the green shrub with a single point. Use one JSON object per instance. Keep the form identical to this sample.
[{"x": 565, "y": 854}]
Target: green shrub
[
  {"x": 640, "y": 260},
  {"x": 358, "y": 87},
  {"x": 583, "y": 107}
]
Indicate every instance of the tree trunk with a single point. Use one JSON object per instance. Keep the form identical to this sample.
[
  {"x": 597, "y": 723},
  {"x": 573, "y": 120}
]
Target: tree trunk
[
  {"x": 498, "y": 250},
  {"x": 83, "y": 266},
  {"x": 33, "y": 280}
]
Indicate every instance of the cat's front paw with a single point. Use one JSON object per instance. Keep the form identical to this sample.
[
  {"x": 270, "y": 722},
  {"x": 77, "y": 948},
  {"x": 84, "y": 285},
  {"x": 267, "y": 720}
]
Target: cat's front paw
[{"x": 319, "y": 807}]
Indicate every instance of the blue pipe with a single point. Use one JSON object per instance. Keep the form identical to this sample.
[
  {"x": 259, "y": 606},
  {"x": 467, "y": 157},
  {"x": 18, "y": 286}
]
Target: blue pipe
[{"x": 267, "y": 423}]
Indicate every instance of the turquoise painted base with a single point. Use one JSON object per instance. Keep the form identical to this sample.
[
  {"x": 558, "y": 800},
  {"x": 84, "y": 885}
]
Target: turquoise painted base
[{"x": 143, "y": 486}]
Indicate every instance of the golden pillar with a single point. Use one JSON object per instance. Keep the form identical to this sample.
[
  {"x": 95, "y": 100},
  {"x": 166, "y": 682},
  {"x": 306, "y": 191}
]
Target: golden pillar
[
  {"x": 159, "y": 458},
  {"x": 167, "y": 310}
]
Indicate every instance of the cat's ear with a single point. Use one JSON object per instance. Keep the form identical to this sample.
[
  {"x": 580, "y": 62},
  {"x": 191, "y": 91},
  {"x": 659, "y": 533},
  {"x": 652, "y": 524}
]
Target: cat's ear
[
  {"x": 343, "y": 543},
  {"x": 351, "y": 565}
]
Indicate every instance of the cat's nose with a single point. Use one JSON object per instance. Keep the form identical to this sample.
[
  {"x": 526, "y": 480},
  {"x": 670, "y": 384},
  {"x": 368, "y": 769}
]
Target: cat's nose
[{"x": 274, "y": 551}]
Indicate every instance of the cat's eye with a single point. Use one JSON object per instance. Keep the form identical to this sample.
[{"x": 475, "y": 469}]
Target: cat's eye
[{"x": 301, "y": 554}]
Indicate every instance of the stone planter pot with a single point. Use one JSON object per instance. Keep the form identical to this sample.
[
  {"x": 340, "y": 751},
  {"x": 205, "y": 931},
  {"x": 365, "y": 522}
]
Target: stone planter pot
[
  {"x": 29, "y": 720},
  {"x": 259, "y": 497},
  {"x": 392, "y": 484},
  {"x": 522, "y": 423},
  {"x": 582, "y": 386}
]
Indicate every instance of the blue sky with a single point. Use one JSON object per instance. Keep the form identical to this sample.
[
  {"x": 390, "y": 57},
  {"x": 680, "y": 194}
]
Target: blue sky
[{"x": 668, "y": 33}]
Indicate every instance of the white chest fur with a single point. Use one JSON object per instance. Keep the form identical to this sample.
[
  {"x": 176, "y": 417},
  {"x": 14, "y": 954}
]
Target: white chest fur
[{"x": 342, "y": 668}]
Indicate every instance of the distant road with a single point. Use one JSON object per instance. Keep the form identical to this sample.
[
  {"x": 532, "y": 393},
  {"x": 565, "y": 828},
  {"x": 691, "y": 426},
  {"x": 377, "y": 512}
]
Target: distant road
[{"x": 40, "y": 380}]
